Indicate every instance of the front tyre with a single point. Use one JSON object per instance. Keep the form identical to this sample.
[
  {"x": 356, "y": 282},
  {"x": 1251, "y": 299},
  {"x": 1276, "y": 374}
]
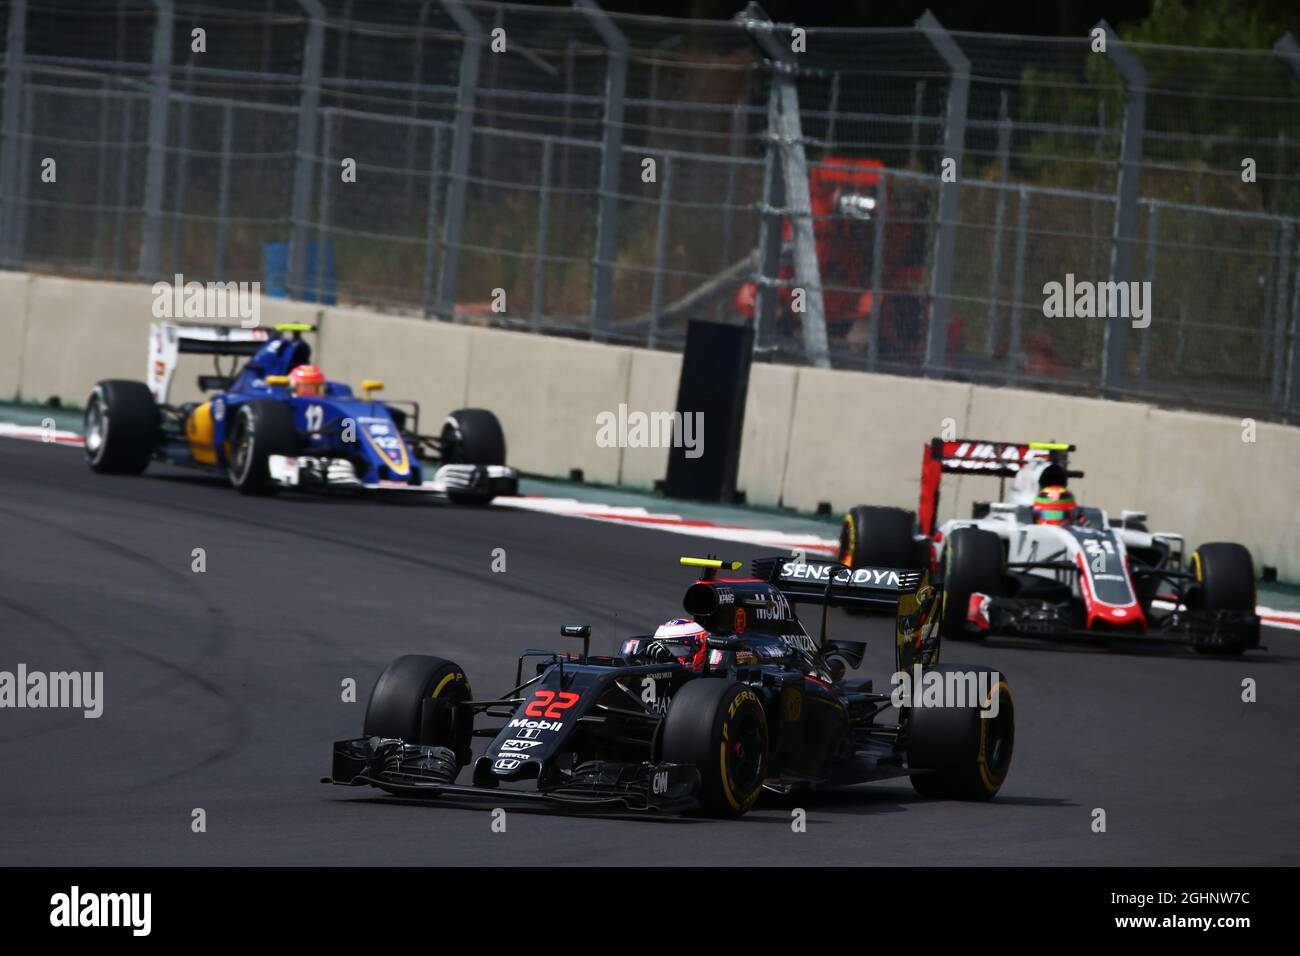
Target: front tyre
[
  {"x": 1225, "y": 577},
  {"x": 472, "y": 436},
  {"x": 959, "y": 754},
  {"x": 414, "y": 700},
  {"x": 262, "y": 428},
  {"x": 121, "y": 427},
  {"x": 972, "y": 564},
  {"x": 719, "y": 727}
]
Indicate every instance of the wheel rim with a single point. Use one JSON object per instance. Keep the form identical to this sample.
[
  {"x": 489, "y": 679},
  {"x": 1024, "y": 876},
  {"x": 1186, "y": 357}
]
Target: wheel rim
[
  {"x": 96, "y": 427},
  {"x": 745, "y": 757},
  {"x": 999, "y": 738},
  {"x": 241, "y": 456}
]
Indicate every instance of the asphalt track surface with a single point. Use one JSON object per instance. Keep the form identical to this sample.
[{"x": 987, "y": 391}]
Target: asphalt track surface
[{"x": 223, "y": 692}]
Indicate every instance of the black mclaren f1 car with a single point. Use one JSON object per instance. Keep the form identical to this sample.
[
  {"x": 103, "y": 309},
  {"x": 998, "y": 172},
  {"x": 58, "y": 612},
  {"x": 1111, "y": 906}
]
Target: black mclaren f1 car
[{"x": 764, "y": 706}]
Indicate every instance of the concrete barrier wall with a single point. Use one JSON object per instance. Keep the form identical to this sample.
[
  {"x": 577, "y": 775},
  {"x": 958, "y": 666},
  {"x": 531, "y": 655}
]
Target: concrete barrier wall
[
  {"x": 810, "y": 435},
  {"x": 13, "y": 329}
]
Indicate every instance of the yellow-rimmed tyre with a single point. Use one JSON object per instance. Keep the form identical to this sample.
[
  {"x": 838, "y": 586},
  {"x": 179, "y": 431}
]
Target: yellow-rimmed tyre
[
  {"x": 880, "y": 537},
  {"x": 414, "y": 700},
  {"x": 959, "y": 754},
  {"x": 1225, "y": 581},
  {"x": 719, "y": 727}
]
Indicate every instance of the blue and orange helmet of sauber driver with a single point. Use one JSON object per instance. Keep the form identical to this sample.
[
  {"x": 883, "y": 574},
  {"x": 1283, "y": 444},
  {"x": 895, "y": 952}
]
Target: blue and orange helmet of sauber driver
[{"x": 1055, "y": 504}]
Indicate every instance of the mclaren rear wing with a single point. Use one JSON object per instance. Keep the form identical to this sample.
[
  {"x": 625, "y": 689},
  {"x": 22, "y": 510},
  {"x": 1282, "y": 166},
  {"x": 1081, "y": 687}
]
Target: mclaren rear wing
[
  {"x": 908, "y": 594},
  {"x": 972, "y": 456},
  {"x": 825, "y": 582}
]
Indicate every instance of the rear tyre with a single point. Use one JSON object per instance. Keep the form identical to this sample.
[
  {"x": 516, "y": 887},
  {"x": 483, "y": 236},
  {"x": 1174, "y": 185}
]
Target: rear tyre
[
  {"x": 121, "y": 427},
  {"x": 963, "y": 756},
  {"x": 972, "y": 564},
  {"x": 1225, "y": 575},
  {"x": 262, "y": 428},
  {"x": 719, "y": 727},
  {"x": 876, "y": 537},
  {"x": 414, "y": 700}
]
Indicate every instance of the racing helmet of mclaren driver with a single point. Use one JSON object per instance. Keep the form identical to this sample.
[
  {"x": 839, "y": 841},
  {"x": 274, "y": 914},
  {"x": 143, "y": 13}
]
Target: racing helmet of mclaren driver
[{"x": 680, "y": 639}]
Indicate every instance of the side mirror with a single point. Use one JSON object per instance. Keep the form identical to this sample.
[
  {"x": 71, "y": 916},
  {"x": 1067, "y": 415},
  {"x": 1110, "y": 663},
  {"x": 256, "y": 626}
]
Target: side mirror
[
  {"x": 723, "y": 643},
  {"x": 582, "y": 631}
]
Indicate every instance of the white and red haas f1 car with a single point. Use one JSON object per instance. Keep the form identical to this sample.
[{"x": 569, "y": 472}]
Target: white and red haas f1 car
[{"x": 1037, "y": 563}]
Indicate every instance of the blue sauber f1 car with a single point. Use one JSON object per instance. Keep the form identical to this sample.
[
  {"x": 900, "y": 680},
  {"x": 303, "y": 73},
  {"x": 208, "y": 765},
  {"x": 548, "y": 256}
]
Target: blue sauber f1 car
[{"x": 277, "y": 423}]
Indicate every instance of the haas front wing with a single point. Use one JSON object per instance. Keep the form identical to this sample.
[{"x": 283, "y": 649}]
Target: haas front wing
[{"x": 582, "y": 736}]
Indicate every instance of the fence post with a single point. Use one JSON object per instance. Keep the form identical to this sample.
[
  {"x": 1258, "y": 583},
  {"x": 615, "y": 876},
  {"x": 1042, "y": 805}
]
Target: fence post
[
  {"x": 18, "y": 237},
  {"x": 182, "y": 172},
  {"x": 458, "y": 169},
  {"x": 729, "y": 197},
  {"x": 15, "y": 69},
  {"x": 1017, "y": 282},
  {"x": 1152, "y": 243},
  {"x": 327, "y": 170},
  {"x": 877, "y": 271},
  {"x": 431, "y": 217},
  {"x": 156, "y": 165},
  {"x": 769, "y": 233},
  {"x": 313, "y": 54},
  {"x": 999, "y": 216},
  {"x": 799, "y": 205},
  {"x": 661, "y": 251},
  {"x": 123, "y": 181},
  {"x": 954, "y": 143},
  {"x": 611, "y": 151},
  {"x": 1279, "y": 349},
  {"x": 543, "y": 226},
  {"x": 1289, "y": 50},
  {"x": 223, "y": 191},
  {"x": 1126, "y": 196}
]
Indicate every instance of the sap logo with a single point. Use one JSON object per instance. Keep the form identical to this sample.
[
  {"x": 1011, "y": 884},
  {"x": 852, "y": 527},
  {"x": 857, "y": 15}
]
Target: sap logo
[
  {"x": 659, "y": 782},
  {"x": 520, "y": 744},
  {"x": 536, "y": 724}
]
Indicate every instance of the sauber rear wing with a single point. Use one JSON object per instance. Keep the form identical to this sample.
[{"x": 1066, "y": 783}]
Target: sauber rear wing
[
  {"x": 169, "y": 340},
  {"x": 972, "y": 456}
]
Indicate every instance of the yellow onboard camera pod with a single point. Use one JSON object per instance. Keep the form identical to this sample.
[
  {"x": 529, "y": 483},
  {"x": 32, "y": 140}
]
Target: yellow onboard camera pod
[
  {"x": 276, "y": 380},
  {"x": 710, "y": 565},
  {"x": 369, "y": 385}
]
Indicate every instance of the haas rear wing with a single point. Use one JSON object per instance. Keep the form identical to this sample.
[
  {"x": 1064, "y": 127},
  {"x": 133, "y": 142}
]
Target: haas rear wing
[
  {"x": 971, "y": 456},
  {"x": 917, "y": 604}
]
